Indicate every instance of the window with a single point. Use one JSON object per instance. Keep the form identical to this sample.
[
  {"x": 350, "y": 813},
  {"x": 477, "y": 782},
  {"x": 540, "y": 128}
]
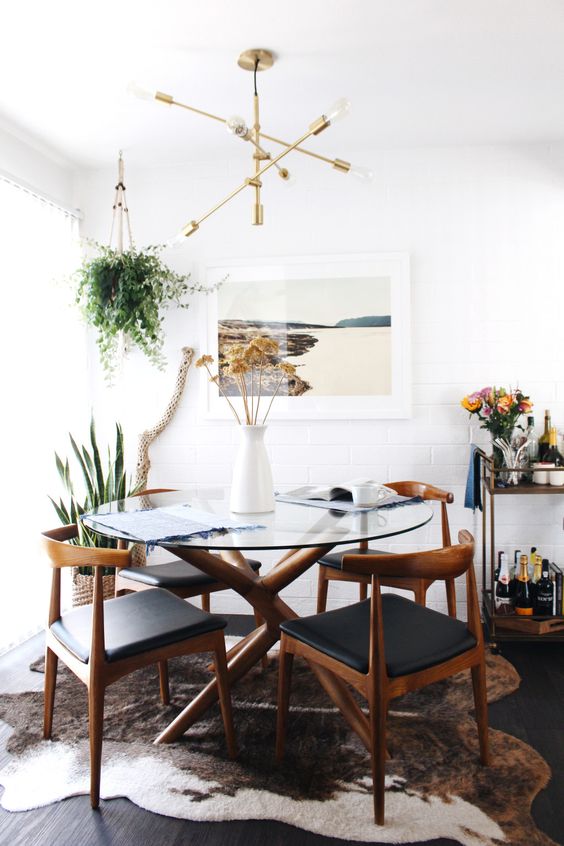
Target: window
[{"x": 44, "y": 393}]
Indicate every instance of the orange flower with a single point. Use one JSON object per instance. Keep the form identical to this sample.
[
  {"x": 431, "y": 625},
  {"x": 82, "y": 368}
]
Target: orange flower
[
  {"x": 504, "y": 404},
  {"x": 471, "y": 405},
  {"x": 525, "y": 406}
]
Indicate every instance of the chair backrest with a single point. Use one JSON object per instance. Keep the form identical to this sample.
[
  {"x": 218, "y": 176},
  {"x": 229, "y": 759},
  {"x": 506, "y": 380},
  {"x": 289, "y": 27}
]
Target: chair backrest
[
  {"x": 428, "y": 492},
  {"x": 62, "y": 554},
  {"x": 436, "y": 564}
]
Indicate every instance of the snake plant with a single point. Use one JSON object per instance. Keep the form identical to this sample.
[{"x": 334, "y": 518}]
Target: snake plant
[{"x": 102, "y": 483}]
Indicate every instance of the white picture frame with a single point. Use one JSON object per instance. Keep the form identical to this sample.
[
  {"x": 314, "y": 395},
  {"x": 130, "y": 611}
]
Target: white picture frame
[{"x": 325, "y": 287}]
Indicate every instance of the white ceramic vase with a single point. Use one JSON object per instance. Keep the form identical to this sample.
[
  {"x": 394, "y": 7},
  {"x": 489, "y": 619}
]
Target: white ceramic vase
[{"x": 252, "y": 490}]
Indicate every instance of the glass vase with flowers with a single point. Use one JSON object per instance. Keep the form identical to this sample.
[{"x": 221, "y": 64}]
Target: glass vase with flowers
[
  {"x": 498, "y": 411},
  {"x": 256, "y": 373}
]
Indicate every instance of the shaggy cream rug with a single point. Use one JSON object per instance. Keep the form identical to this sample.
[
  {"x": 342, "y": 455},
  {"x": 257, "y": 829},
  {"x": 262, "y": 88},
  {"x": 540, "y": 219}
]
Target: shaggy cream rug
[{"x": 435, "y": 786}]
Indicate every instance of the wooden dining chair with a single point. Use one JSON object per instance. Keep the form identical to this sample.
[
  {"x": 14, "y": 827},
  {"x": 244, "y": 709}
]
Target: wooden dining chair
[
  {"x": 330, "y": 565},
  {"x": 388, "y": 645},
  {"x": 177, "y": 576},
  {"x": 102, "y": 642}
]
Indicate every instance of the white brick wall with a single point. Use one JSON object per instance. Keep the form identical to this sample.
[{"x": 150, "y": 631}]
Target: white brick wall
[{"x": 484, "y": 228}]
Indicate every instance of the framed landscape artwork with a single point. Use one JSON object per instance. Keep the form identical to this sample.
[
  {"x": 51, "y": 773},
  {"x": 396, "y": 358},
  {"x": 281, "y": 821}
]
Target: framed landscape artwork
[{"x": 343, "y": 321}]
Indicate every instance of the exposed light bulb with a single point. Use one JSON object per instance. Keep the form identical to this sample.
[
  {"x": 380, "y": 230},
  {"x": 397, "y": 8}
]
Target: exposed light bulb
[
  {"x": 177, "y": 241},
  {"x": 338, "y": 110},
  {"x": 237, "y": 126},
  {"x": 362, "y": 173},
  {"x": 140, "y": 91}
]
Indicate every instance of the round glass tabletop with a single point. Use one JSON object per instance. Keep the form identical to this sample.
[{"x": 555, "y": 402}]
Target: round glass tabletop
[{"x": 289, "y": 526}]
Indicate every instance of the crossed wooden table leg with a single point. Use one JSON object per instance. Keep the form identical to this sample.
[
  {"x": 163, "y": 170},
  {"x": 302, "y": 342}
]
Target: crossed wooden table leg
[{"x": 262, "y": 595}]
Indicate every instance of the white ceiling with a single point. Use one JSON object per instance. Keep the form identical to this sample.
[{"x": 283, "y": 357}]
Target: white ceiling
[{"x": 417, "y": 71}]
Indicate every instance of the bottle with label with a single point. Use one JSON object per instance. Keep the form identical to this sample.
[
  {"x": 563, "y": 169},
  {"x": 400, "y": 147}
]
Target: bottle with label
[
  {"x": 544, "y": 594},
  {"x": 523, "y": 602},
  {"x": 552, "y": 455},
  {"x": 537, "y": 574},
  {"x": 515, "y": 572},
  {"x": 544, "y": 440},
  {"x": 503, "y": 600},
  {"x": 531, "y": 562},
  {"x": 533, "y": 445}
]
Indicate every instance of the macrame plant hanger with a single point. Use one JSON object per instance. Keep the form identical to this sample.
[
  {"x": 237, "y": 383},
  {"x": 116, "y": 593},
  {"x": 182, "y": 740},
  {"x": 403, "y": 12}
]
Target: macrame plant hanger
[
  {"x": 120, "y": 213},
  {"x": 120, "y": 210}
]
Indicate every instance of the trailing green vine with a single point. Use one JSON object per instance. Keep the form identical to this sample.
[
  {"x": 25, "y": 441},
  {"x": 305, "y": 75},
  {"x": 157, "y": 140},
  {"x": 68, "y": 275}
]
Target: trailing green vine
[{"x": 127, "y": 292}]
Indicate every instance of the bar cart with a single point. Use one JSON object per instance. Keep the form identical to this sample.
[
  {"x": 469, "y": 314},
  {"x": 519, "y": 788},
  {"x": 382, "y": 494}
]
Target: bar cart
[{"x": 509, "y": 628}]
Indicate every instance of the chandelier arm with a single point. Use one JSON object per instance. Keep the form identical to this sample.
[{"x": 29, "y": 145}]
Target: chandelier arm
[
  {"x": 315, "y": 129},
  {"x": 333, "y": 162}
]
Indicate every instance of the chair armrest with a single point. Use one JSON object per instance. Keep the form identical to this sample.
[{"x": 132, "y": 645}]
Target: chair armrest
[
  {"x": 446, "y": 563},
  {"x": 62, "y": 554}
]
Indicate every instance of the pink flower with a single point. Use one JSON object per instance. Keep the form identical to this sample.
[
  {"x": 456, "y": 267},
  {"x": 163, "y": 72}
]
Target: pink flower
[{"x": 486, "y": 411}]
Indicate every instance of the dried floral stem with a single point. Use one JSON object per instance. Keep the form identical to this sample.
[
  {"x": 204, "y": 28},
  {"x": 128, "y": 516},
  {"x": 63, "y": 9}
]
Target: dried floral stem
[
  {"x": 274, "y": 393},
  {"x": 260, "y": 388},
  {"x": 215, "y": 380}
]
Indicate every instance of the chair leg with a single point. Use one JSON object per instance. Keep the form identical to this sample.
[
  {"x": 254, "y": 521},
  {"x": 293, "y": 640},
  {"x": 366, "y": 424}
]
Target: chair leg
[
  {"x": 481, "y": 706},
  {"x": 362, "y": 591},
  {"x": 51, "y": 662},
  {"x": 284, "y": 683},
  {"x": 206, "y": 602},
  {"x": 220, "y": 665},
  {"x": 163, "y": 682},
  {"x": 451, "y": 597},
  {"x": 259, "y": 621},
  {"x": 322, "y": 587},
  {"x": 96, "y": 730},
  {"x": 420, "y": 592},
  {"x": 378, "y": 754}
]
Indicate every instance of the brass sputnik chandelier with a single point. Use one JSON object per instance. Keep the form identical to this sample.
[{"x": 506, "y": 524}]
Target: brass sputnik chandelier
[{"x": 258, "y": 60}]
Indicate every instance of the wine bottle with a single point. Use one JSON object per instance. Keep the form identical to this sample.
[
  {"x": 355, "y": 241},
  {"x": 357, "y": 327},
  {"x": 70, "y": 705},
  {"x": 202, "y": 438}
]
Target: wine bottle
[
  {"x": 544, "y": 594},
  {"x": 544, "y": 440},
  {"x": 533, "y": 445},
  {"x": 498, "y": 568},
  {"x": 503, "y": 601},
  {"x": 515, "y": 573},
  {"x": 531, "y": 562},
  {"x": 553, "y": 455},
  {"x": 523, "y": 602}
]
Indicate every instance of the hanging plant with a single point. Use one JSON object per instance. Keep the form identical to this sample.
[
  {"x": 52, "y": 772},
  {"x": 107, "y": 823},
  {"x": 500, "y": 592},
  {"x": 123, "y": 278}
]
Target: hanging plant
[
  {"x": 123, "y": 293},
  {"x": 123, "y": 296}
]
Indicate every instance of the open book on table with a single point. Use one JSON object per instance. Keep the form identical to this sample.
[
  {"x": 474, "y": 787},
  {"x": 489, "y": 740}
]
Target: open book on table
[{"x": 341, "y": 496}]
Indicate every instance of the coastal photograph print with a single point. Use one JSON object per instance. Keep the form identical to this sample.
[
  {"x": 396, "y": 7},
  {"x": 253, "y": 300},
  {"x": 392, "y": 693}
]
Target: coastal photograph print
[{"x": 342, "y": 322}]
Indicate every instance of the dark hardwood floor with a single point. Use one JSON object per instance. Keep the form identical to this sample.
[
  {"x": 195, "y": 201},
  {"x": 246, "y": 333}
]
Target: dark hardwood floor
[{"x": 535, "y": 713}]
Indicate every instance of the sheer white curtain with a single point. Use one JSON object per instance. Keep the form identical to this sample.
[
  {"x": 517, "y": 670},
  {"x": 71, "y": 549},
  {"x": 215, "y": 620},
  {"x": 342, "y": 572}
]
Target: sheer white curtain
[{"x": 44, "y": 393}]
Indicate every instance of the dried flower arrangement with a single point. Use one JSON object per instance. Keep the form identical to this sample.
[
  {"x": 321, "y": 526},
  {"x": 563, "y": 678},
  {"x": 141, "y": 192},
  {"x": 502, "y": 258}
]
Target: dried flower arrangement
[{"x": 250, "y": 365}]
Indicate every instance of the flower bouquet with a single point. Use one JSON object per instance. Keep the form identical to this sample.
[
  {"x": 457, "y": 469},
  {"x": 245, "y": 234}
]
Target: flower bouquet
[{"x": 498, "y": 411}]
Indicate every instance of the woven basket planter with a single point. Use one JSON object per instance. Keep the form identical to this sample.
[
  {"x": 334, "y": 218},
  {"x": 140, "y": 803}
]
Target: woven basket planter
[{"x": 83, "y": 588}]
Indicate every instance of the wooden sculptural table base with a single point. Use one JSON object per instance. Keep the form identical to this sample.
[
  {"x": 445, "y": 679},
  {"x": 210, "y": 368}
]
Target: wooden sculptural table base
[{"x": 262, "y": 593}]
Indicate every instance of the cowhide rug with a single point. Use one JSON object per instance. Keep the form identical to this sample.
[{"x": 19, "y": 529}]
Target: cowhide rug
[{"x": 435, "y": 787}]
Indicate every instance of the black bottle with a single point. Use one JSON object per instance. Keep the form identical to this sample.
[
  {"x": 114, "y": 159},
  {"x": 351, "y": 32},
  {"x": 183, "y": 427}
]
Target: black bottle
[{"x": 544, "y": 594}]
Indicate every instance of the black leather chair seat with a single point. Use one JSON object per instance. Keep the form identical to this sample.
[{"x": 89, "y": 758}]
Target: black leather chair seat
[
  {"x": 333, "y": 559},
  {"x": 135, "y": 623},
  {"x": 415, "y": 637},
  {"x": 174, "y": 574}
]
